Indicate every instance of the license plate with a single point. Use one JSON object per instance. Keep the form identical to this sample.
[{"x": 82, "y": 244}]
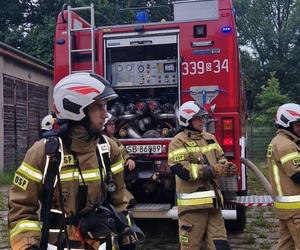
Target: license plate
[{"x": 144, "y": 149}]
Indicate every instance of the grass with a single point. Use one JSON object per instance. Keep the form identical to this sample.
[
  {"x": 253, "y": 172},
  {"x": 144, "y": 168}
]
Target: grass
[
  {"x": 6, "y": 177},
  {"x": 254, "y": 185},
  {"x": 260, "y": 221},
  {"x": 3, "y": 226}
]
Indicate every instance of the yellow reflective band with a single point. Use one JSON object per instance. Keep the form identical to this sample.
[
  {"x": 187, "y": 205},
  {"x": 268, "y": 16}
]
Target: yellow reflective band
[
  {"x": 183, "y": 239},
  {"x": 194, "y": 171},
  {"x": 128, "y": 220},
  {"x": 195, "y": 202},
  {"x": 30, "y": 172},
  {"x": 25, "y": 225},
  {"x": 91, "y": 174},
  {"x": 289, "y": 157},
  {"x": 117, "y": 167},
  {"x": 179, "y": 151},
  {"x": 269, "y": 151},
  {"x": 197, "y": 195},
  {"x": 287, "y": 205},
  {"x": 204, "y": 149},
  {"x": 69, "y": 175},
  {"x": 276, "y": 178}
]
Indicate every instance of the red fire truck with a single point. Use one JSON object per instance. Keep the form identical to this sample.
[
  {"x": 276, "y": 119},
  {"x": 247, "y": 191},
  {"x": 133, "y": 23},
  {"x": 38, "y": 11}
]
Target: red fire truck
[{"x": 155, "y": 67}]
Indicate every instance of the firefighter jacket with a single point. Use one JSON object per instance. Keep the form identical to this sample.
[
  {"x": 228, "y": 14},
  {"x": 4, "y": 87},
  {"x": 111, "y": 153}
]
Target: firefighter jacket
[
  {"x": 26, "y": 192},
  {"x": 122, "y": 148},
  {"x": 193, "y": 149},
  {"x": 283, "y": 158}
]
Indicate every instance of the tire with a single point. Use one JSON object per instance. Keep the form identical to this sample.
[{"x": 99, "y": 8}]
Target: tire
[{"x": 238, "y": 225}]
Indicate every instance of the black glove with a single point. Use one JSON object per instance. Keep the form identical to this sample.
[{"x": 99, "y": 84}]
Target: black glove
[
  {"x": 180, "y": 171},
  {"x": 97, "y": 224},
  {"x": 208, "y": 173}
]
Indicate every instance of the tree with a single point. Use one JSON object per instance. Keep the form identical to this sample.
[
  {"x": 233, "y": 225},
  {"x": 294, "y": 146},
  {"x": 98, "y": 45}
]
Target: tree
[
  {"x": 30, "y": 25},
  {"x": 269, "y": 100},
  {"x": 271, "y": 29}
]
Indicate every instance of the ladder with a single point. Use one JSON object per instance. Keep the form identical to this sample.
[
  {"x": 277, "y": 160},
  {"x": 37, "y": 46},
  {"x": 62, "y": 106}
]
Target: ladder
[{"x": 72, "y": 30}]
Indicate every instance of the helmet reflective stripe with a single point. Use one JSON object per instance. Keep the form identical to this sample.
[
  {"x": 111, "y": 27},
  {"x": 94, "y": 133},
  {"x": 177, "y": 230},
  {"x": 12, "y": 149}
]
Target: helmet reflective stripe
[
  {"x": 287, "y": 113},
  {"x": 189, "y": 110},
  {"x": 75, "y": 92}
]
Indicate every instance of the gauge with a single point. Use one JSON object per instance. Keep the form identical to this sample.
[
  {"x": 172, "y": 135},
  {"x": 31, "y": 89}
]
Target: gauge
[
  {"x": 119, "y": 68},
  {"x": 141, "y": 68},
  {"x": 128, "y": 67}
]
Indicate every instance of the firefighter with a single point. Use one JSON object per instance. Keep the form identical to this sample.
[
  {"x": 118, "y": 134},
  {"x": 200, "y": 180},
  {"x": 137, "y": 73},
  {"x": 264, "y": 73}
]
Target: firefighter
[
  {"x": 80, "y": 100},
  {"x": 198, "y": 162},
  {"x": 283, "y": 156},
  {"x": 110, "y": 130}
]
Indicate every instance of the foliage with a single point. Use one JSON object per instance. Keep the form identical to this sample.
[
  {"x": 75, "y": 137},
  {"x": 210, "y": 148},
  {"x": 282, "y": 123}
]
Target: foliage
[
  {"x": 6, "y": 177},
  {"x": 30, "y": 25},
  {"x": 269, "y": 100},
  {"x": 269, "y": 29}
]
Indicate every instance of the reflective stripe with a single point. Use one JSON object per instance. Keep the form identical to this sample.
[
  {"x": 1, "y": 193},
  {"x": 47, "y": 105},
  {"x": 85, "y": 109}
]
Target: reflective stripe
[
  {"x": 177, "y": 152},
  {"x": 291, "y": 198},
  {"x": 204, "y": 149},
  {"x": 30, "y": 172},
  {"x": 25, "y": 225},
  {"x": 195, "y": 195},
  {"x": 196, "y": 198},
  {"x": 91, "y": 174},
  {"x": 69, "y": 175},
  {"x": 287, "y": 205},
  {"x": 195, "y": 202},
  {"x": 276, "y": 178},
  {"x": 73, "y": 175},
  {"x": 194, "y": 171},
  {"x": 117, "y": 167},
  {"x": 56, "y": 211},
  {"x": 289, "y": 157}
]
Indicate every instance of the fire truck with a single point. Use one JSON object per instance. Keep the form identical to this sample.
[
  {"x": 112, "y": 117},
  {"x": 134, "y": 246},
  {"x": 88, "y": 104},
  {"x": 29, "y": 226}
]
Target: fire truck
[{"x": 155, "y": 67}]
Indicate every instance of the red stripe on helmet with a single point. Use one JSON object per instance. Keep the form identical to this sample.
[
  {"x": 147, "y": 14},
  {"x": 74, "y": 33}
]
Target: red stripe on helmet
[
  {"x": 293, "y": 113},
  {"x": 189, "y": 111},
  {"x": 84, "y": 90}
]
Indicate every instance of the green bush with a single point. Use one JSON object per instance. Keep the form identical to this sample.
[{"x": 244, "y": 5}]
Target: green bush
[
  {"x": 6, "y": 177},
  {"x": 268, "y": 101}
]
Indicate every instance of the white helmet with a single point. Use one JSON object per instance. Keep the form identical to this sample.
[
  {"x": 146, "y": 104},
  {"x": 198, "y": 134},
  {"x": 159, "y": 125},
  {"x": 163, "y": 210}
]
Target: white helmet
[
  {"x": 76, "y": 91},
  {"x": 189, "y": 110},
  {"x": 47, "y": 122},
  {"x": 287, "y": 113}
]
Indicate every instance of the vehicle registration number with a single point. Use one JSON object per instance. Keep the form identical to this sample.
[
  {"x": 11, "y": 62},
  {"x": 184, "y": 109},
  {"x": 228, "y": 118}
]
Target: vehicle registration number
[{"x": 144, "y": 149}]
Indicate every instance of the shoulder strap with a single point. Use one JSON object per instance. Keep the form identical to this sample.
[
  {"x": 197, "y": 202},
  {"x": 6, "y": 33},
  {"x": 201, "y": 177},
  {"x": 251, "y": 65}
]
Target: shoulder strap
[{"x": 54, "y": 161}]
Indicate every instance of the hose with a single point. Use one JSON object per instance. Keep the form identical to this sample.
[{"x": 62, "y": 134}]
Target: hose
[{"x": 263, "y": 180}]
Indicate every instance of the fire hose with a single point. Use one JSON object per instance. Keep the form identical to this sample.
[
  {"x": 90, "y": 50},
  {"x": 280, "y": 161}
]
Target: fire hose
[{"x": 263, "y": 180}]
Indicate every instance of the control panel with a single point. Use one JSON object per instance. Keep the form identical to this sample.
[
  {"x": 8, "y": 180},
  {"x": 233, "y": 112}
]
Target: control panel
[{"x": 144, "y": 73}]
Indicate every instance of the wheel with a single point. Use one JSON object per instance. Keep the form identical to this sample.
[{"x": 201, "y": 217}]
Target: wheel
[{"x": 238, "y": 225}]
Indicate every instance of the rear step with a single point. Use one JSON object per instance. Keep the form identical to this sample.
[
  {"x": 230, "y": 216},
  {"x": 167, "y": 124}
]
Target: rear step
[
  {"x": 253, "y": 201},
  {"x": 166, "y": 211}
]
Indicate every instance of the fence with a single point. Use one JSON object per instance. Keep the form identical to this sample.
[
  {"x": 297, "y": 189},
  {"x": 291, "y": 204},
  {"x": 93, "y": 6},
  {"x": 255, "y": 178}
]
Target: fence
[{"x": 258, "y": 139}]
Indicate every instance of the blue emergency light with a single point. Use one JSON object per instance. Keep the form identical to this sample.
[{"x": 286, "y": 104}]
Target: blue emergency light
[
  {"x": 142, "y": 16},
  {"x": 226, "y": 29}
]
